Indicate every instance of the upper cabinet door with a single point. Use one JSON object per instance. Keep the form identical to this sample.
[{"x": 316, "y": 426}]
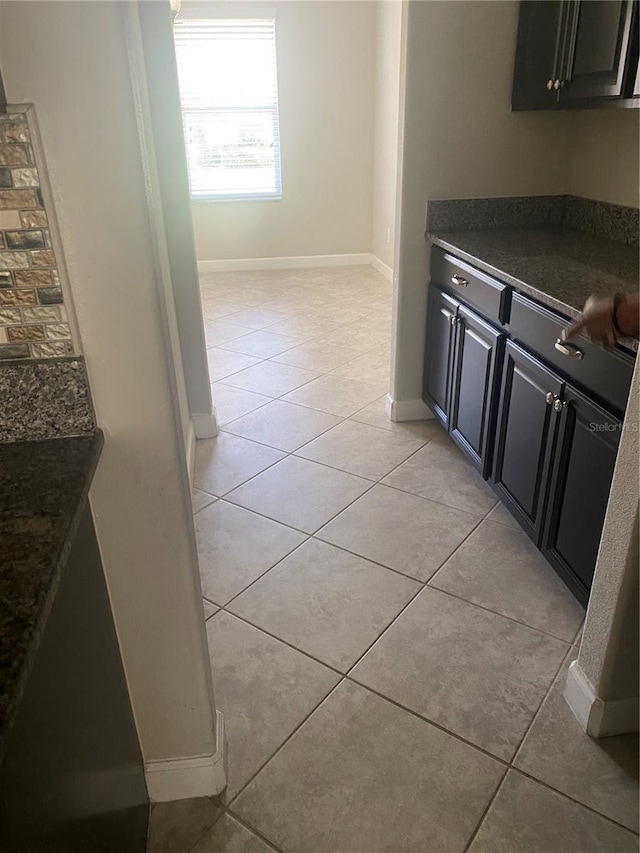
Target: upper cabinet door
[
  {"x": 576, "y": 53},
  {"x": 538, "y": 55},
  {"x": 600, "y": 39}
]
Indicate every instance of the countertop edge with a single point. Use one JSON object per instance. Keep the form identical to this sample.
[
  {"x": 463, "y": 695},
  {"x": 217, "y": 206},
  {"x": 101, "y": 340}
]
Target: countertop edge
[
  {"x": 501, "y": 275},
  {"x": 45, "y": 605},
  {"x": 629, "y": 346}
]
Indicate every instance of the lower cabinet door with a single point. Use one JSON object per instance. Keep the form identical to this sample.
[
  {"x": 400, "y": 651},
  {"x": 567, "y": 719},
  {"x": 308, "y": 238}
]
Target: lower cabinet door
[
  {"x": 582, "y": 469},
  {"x": 478, "y": 352},
  {"x": 441, "y": 315},
  {"x": 527, "y": 420}
]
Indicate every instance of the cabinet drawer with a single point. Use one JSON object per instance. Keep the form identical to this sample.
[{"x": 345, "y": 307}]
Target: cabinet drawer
[
  {"x": 604, "y": 373},
  {"x": 469, "y": 285}
]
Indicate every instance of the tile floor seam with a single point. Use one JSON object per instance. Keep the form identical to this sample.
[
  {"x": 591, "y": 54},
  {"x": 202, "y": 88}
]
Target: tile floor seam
[
  {"x": 261, "y": 361},
  {"x": 571, "y": 799},
  {"x": 434, "y": 723},
  {"x": 266, "y": 572},
  {"x": 261, "y": 406},
  {"x": 306, "y": 532},
  {"x": 208, "y": 829},
  {"x": 460, "y": 597},
  {"x": 483, "y": 817},
  {"x": 255, "y": 511},
  {"x": 288, "y": 452},
  {"x": 442, "y": 503},
  {"x": 250, "y": 828},
  {"x": 378, "y": 481},
  {"x": 539, "y": 708},
  {"x": 232, "y": 801},
  {"x": 279, "y": 639}
]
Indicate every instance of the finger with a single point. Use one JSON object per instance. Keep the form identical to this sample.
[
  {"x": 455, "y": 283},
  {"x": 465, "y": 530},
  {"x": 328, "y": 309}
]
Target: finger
[{"x": 575, "y": 328}]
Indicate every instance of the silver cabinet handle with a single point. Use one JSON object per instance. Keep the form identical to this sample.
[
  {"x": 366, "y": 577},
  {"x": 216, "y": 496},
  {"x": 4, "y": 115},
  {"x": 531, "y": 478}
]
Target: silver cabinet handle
[
  {"x": 569, "y": 349},
  {"x": 551, "y": 398},
  {"x": 549, "y": 85},
  {"x": 457, "y": 279},
  {"x": 559, "y": 405}
]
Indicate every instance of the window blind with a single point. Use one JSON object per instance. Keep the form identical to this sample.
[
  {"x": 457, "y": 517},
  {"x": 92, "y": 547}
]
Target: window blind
[{"x": 229, "y": 93}]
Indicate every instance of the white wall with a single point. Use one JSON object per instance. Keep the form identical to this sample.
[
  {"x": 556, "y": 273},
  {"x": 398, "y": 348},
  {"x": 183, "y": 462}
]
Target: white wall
[
  {"x": 70, "y": 59},
  {"x": 386, "y": 130},
  {"x": 604, "y": 159},
  {"x": 326, "y": 82},
  {"x": 460, "y": 140}
]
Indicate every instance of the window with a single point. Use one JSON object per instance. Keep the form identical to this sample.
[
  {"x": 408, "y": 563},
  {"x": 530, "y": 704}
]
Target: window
[{"x": 229, "y": 94}]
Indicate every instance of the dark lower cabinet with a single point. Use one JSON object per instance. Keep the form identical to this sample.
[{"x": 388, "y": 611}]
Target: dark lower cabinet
[
  {"x": 554, "y": 460},
  {"x": 526, "y": 426},
  {"x": 441, "y": 318},
  {"x": 72, "y": 778},
  {"x": 529, "y": 423},
  {"x": 582, "y": 469},
  {"x": 476, "y": 362}
]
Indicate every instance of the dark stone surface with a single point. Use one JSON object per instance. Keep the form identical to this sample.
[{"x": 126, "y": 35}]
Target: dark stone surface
[
  {"x": 610, "y": 221},
  {"x": 44, "y": 399},
  {"x": 43, "y": 489}
]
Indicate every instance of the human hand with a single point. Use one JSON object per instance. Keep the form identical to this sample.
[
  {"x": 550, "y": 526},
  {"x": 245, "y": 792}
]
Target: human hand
[{"x": 596, "y": 321}]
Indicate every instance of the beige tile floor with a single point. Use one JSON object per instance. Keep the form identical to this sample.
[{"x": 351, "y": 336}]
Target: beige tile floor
[{"x": 387, "y": 646}]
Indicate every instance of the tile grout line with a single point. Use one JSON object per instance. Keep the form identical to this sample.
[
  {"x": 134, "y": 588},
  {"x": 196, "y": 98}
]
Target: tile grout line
[
  {"x": 484, "y": 814},
  {"x": 542, "y": 701},
  {"x": 233, "y": 800},
  {"x": 571, "y": 799}
]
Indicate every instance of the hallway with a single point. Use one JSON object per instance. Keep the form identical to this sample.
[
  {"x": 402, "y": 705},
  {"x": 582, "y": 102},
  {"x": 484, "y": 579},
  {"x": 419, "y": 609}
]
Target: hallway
[{"x": 388, "y": 648}]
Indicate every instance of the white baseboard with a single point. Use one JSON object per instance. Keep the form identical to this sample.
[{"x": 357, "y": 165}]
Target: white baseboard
[
  {"x": 597, "y": 717},
  {"x": 383, "y": 268},
  {"x": 205, "y": 426},
  {"x": 407, "y": 410},
  {"x": 195, "y": 776},
  {"x": 190, "y": 447},
  {"x": 300, "y": 262}
]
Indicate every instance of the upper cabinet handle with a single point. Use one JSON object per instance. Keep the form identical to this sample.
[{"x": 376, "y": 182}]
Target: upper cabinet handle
[
  {"x": 567, "y": 348},
  {"x": 457, "y": 279}
]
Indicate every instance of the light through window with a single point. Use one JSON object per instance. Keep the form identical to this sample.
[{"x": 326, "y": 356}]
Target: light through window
[{"x": 229, "y": 95}]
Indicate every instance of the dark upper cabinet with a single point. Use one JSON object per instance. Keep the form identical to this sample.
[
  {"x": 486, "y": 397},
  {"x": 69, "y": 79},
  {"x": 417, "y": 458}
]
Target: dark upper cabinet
[
  {"x": 575, "y": 53},
  {"x": 527, "y": 420},
  {"x": 537, "y": 55},
  {"x": 477, "y": 357},
  {"x": 582, "y": 470},
  {"x": 441, "y": 319}
]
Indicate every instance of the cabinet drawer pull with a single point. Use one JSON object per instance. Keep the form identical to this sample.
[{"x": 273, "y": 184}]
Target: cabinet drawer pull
[
  {"x": 559, "y": 405},
  {"x": 569, "y": 349},
  {"x": 551, "y": 398},
  {"x": 457, "y": 279}
]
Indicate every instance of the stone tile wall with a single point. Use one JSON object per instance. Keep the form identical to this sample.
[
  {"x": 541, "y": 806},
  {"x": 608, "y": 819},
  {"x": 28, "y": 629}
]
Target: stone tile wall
[{"x": 33, "y": 319}]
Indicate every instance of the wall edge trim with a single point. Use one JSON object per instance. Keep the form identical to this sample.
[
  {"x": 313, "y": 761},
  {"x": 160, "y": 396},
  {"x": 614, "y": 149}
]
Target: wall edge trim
[
  {"x": 205, "y": 425},
  {"x": 191, "y": 776},
  {"x": 407, "y": 410},
  {"x": 596, "y": 717}
]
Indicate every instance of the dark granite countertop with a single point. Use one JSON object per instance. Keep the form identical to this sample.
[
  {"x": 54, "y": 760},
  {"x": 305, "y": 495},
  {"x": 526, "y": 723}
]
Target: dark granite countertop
[
  {"x": 43, "y": 489},
  {"x": 556, "y": 265}
]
